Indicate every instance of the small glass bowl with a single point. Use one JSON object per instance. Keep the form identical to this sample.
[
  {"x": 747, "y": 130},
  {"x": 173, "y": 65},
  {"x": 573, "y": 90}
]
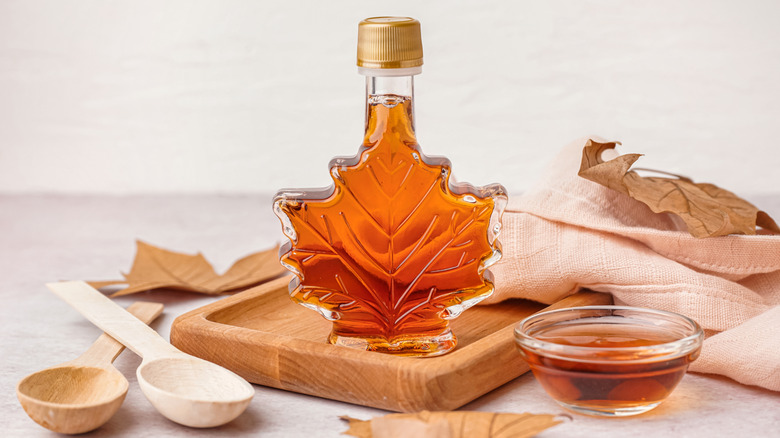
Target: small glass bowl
[{"x": 609, "y": 360}]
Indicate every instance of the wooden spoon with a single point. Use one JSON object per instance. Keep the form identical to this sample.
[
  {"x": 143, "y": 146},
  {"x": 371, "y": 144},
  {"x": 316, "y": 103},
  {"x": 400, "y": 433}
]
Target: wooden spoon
[
  {"x": 82, "y": 394},
  {"x": 184, "y": 388}
]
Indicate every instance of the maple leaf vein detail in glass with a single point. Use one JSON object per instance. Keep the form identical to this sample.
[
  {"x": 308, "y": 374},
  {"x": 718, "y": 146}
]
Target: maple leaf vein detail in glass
[{"x": 392, "y": 250}]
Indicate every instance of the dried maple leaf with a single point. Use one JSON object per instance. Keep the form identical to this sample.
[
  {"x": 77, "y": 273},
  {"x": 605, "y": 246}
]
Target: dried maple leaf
[
  {"x": 157, "y": 268},
  {"x": 706, "y": 209},
  {"x": 458, "y": 424}
]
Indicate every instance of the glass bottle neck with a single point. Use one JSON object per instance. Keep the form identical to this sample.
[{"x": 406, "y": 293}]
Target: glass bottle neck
[
  {"x": 389, "y": 92},
  {"x": 390, "y": 85}
]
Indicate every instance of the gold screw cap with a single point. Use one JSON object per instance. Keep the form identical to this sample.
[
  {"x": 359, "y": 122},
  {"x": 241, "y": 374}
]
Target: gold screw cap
[{"x": 389, "y": 42}]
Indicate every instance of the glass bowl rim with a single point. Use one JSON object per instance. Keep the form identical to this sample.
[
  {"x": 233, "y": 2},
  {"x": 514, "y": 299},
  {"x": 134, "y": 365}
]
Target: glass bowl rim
[{"x": 662, "y": 351}]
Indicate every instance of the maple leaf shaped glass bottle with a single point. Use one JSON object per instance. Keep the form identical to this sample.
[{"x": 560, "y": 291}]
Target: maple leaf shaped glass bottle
[{"x": 395, "y": 248}]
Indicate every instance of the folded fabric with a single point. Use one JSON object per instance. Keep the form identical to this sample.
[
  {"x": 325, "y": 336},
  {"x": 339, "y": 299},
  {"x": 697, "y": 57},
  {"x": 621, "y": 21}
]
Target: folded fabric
[{"x": 568, "y": 233}]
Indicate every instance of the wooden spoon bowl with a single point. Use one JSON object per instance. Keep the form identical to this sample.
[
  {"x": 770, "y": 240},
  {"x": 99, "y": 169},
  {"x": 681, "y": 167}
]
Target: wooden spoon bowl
[
  {"x": 176, "y": 388},
  {"x": 72, "y": 399},
  {"x": 83, "y": 394}
]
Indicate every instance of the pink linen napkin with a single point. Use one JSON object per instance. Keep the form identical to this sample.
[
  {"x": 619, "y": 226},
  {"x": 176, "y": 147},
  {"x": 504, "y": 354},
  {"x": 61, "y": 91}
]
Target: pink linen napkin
[{"x": 568, "y": 233}]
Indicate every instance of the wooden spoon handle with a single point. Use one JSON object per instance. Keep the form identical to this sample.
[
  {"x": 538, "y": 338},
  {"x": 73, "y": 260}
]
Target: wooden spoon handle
[
  {"x": 106, "y": 349},
  {"x": 113, "y": 319}
]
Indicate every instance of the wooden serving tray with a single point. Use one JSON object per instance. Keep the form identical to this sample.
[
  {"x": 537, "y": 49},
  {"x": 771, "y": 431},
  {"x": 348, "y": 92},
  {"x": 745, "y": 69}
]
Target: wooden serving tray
[{"x": 267, "y": 339}]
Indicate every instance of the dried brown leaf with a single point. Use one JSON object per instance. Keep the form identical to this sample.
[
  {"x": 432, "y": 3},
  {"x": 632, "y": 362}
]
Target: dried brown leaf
[
  {"x": 157, "y": 268},
  {"x": 458, "y": 424},
  {"x": 706, "y": 209},
  {"x": 249, "y": 270}
]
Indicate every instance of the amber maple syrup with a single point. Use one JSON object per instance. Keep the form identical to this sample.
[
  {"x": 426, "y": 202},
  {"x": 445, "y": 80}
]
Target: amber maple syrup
[
  {"x": 622, "y": 373},
  {"x": 400, "y": 279}
]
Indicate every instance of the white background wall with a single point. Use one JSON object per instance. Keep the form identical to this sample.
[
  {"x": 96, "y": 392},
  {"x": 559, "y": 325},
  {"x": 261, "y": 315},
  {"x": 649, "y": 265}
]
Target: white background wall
[{"x": 251, "y": 96}]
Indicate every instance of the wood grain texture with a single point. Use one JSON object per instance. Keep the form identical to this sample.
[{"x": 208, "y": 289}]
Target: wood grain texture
[{"x": 264, "y": 337}]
